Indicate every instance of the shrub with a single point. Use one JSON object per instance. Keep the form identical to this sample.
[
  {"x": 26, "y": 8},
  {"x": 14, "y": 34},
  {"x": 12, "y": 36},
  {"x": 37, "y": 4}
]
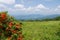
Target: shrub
[{"x": 10, "y": 29}]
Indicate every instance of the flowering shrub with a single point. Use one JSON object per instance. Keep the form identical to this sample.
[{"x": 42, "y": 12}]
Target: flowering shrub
[{"x": 10, "y": 29}]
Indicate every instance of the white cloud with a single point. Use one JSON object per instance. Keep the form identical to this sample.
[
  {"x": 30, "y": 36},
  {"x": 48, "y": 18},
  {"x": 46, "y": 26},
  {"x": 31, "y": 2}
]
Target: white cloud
[
  {"x": 57, "y": 9},
  {"x": 40, "y": 6},
  {"x": 19, "y": 6},
  {"x": 3, "y": 7},
  {"x": 7, "y": 1},
  {"x": 29, "y": 10}
]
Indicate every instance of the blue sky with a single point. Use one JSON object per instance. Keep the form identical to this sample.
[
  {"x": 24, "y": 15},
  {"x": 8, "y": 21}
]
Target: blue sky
[{"x": 25, "y": 7}]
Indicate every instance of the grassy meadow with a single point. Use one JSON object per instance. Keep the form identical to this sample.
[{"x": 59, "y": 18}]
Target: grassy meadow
[{"x": 46, "y": 30}]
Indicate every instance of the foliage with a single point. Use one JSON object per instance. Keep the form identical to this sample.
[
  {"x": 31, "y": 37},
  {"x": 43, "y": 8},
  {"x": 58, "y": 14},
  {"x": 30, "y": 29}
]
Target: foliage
[{"x": 10, "y": 29}]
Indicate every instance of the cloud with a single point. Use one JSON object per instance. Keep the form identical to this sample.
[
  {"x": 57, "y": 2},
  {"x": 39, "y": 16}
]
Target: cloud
[
  {"x": 57, "y": 9},
  {"x": 3, "y": 7},
  {"x": 17, "y": 8},
  {"x": 7, "y": 1},
  {"x": 38, "y": 8},
  {"x": 20, "y": 8}
]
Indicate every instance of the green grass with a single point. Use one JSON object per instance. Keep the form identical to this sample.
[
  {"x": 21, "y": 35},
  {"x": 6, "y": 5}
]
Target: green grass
[{"x": 47, "y": 30}]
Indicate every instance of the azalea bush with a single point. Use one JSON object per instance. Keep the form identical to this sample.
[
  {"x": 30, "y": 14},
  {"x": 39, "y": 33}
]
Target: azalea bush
[{"x": 10, "y": 29}]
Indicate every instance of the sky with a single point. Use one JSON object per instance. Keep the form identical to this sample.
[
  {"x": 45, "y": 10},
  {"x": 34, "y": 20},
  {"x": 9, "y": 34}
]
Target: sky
[{"x": 26, "y": 7}]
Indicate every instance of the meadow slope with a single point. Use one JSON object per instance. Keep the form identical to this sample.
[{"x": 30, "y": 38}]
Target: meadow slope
[{"x": 47, "y": 30}]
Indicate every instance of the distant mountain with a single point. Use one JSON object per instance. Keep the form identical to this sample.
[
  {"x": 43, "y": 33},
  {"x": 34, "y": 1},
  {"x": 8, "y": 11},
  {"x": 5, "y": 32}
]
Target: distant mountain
[
  {"x": 28, "y": 17},
  {"x": 52, "y": 16},
  {"x": 34, "y": 16}
]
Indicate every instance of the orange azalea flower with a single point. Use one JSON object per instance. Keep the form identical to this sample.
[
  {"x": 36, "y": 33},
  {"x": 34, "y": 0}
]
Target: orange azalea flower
[
  {"x": 14, "y": 31},
  {"x": 19, "y": 32},
  {"x": 18, "y": 26},
  {"x": 0, "y": 33},
  {"x": 20, "y": 38},
  {"x": 3, "y": 16},
  {"x": 1, "y": 26},
  {"x": 10, "y": 24},
  {"x": 8, "y": 28},
  {"x": 9, "y": 38}
]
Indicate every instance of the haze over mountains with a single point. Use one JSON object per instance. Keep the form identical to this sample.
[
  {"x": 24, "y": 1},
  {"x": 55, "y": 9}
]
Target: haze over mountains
[{"x": 34, "y": 16}]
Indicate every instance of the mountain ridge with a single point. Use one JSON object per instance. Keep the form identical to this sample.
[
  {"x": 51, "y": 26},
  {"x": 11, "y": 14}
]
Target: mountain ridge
[{"x": 34, "y": 16}]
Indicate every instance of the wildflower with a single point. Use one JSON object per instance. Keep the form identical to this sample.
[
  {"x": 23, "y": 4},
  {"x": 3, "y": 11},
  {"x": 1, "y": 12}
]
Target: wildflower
[
  {"x": 8, "y": 28},
  {"x": 3, "y": 16},
  {"x": 1, "y": 26},
  {"x": 14, "y": 31},
  {"x": 19, "y": 39},
  {"x": 18, "y": 26},
  {"x": 0, "y": 33},
  {"x": 10, "y": 24},
  {"x": 9, "y": 38}
]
